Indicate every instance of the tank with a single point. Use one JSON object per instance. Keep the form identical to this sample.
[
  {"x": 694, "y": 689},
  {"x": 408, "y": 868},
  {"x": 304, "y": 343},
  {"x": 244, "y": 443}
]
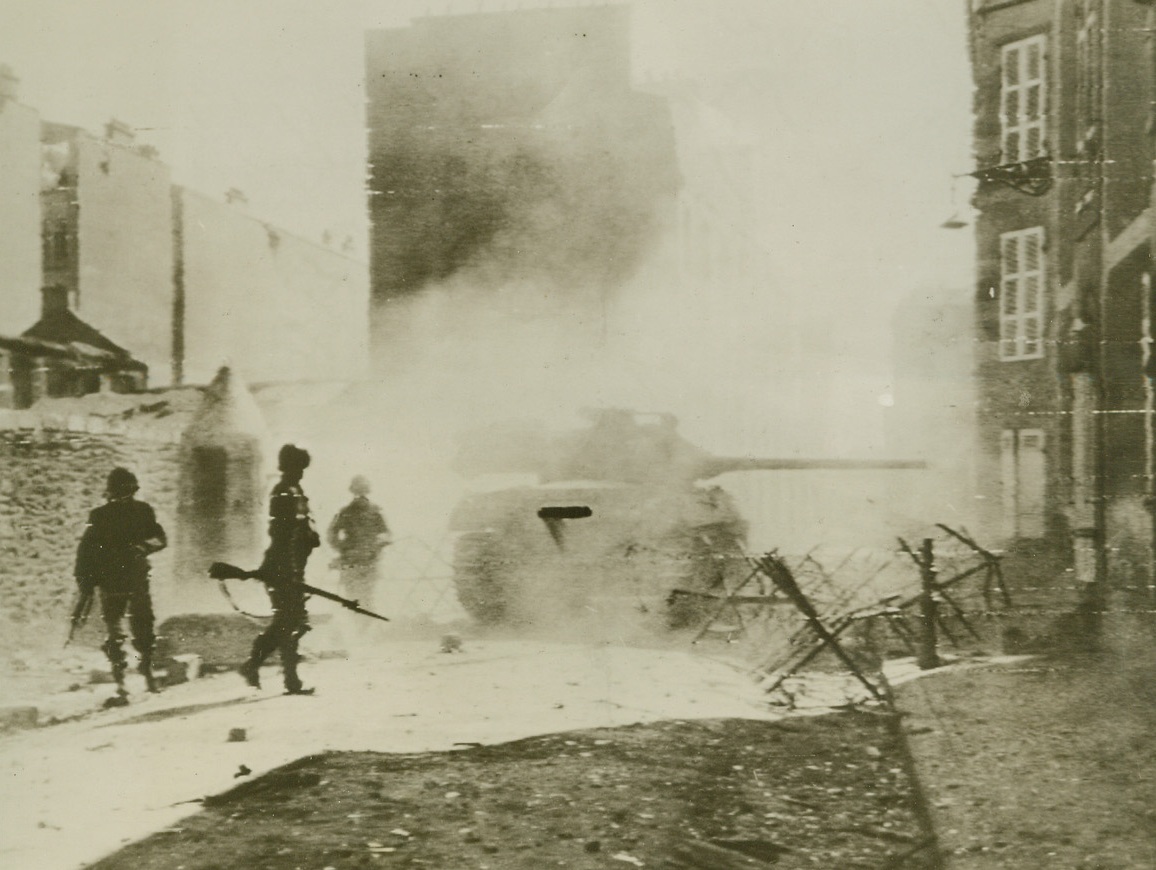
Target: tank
[{"x": 621, "y": 519}]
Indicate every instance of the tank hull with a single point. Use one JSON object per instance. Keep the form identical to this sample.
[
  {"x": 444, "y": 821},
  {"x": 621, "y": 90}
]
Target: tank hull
[{"x": 638, "y": 545}]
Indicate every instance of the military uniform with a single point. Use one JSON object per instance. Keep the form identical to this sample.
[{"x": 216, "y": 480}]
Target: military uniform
[
  {"x": 359, "y": 533},
  {"x": 113, "y": 557},
  {"x": 292, "y": 537}
]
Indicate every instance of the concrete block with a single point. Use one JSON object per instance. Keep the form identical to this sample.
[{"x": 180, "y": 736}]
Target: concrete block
[
  {"x": 219, "y": 640},
  {"x": 183, "y": 668}
]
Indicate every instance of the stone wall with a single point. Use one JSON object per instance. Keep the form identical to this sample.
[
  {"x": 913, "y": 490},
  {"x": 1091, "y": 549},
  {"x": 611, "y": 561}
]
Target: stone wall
[{"x": 49, "y": 479}]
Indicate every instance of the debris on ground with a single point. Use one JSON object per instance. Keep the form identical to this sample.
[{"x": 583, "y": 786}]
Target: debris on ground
[{"x": 677, "y": 794}]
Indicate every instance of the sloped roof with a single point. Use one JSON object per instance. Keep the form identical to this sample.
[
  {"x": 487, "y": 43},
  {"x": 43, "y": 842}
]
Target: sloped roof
[
  {"x": 78, "y": 352},
  {"x": 64, "y": 327}
]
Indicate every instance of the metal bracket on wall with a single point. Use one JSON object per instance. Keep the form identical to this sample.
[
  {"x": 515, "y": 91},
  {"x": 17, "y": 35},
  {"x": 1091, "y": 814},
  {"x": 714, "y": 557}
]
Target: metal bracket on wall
[{"x": 1032, "y": 177}]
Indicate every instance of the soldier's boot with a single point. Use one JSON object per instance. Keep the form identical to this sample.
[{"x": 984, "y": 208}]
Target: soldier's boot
[
  {"x": 293, "y": 684},
  {"x": 251, "y": 669},
  {"x": 117, "y": 661},
  {"x": 120, "y": 699},
  {"x": 146, "y": 670}
]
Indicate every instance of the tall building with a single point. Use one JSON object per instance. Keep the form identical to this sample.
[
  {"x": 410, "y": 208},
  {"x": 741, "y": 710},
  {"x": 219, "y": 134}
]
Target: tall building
[
  {"x": 108, "y": 236},
  {"x": 19, "y": 209},
  {"x": 182, "y": 281},
  {"x": 1064, "y": 120},
  {"x": 512, "y": 145}
]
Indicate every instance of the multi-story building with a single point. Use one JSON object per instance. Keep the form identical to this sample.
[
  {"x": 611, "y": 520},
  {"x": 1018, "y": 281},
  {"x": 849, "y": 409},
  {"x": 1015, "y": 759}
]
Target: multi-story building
[
  {"x": 512, "y": 143},
  {"x": 19, "y": 208},
  {"x": 182, "y": 282},
  {"x": 108, "y": 236},
  {"x": 1064, "y": 120}
]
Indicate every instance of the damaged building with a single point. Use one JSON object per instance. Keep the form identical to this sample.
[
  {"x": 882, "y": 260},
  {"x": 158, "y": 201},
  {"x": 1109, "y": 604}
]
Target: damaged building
[
  {"x": 512, "y": 143},
  {"x": 179, "y": 281},
  {"x": 61, "y": 356}
]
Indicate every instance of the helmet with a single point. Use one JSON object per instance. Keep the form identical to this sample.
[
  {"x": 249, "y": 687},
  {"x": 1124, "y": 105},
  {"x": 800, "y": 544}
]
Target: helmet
[
  {"x": 359, "y": 486},
  {"x": 292, "y": 458},
  {"x": 121, "y": 482}
]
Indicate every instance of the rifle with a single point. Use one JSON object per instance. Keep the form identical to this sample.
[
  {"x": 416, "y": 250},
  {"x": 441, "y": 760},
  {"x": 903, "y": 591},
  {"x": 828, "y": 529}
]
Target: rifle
[
  {"x": 80, "y": 610},
  {"x": 225, "y": 571}
]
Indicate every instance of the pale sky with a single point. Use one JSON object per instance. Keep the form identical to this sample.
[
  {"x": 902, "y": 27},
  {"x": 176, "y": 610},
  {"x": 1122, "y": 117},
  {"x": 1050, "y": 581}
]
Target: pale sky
[{"x": 868, "y": 119}]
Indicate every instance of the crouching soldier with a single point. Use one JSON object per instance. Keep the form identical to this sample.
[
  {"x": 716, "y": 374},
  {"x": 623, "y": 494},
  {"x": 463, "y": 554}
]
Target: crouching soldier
[
  {"x": 292, "y": 537},
  {"x": 113, "y": 557}
]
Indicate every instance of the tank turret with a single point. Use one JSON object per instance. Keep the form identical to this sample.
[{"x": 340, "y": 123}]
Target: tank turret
[
  {"x": 619, "y": 516},
  {"x": 622, "y": 446}
]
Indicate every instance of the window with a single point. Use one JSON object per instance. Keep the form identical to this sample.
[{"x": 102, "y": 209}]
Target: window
[
  {"x": 1023, "y": 482},
  {"x": 56, "y": 248},
  {"x": 1089, "y": 88},
  {"x": 1021, "y": 294},
  {"x": 1022, "y": 97}
]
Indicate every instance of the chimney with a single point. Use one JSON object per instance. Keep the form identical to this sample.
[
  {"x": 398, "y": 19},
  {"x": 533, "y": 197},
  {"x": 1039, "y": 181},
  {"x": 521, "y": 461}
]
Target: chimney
[
  {"x": 9, "y": 83},
  {"x": 53, "y": 301},
  {"x": 119, "y": 133}
]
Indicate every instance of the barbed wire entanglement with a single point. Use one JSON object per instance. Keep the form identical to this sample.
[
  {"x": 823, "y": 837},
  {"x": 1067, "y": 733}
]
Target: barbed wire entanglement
[
  {"x": 417, "y": 583},
  {"x": 838, "y": 613}
]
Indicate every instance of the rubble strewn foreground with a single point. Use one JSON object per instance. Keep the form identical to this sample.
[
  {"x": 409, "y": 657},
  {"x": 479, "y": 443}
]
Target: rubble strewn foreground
[
  {"x": 818, "y": 792},
  {"x": 508, "y": 754},
  {"x": 79, "y": 790}
]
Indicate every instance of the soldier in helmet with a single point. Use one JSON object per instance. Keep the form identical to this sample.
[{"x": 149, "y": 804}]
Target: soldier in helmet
[
  {"x": 113, "y": 557},
  {"x": 292, "y": 537},
  {"x": 359, "y": 533}
]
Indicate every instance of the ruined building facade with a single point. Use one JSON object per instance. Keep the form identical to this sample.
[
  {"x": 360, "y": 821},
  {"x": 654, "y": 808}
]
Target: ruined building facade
[
  {"x": 1064, "y": 125},
  {"x": 178, "y": 281},
  {"x": 512, "y": 145},
  {"x": 19, "y": 208}
]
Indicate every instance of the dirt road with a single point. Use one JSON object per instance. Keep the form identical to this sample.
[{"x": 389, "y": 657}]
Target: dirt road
[{"x": 75, "y": 791}]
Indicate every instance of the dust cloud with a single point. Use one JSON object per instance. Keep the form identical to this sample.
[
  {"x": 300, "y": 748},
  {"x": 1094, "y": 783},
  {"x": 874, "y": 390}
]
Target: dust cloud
[{"x": 735, "y": 286}]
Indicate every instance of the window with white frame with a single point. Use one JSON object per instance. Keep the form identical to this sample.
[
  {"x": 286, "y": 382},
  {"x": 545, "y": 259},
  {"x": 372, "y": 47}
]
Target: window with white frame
[
  {"x": 1023, "y": 94},
  {"x": 1023, "y": 481},
  {"x": 1021, "y": 294},
  {"x": 1089, "y": 88}
]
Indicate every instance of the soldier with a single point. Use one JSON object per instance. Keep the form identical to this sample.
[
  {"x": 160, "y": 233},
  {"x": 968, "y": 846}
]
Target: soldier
[
  {"x": 359, "y": 533},
  {"x": 113, "y": 557},
  {"x": 292, "y": 537}
]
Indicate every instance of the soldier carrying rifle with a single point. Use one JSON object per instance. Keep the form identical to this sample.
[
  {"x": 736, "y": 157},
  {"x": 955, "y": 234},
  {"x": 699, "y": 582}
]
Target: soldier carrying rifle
[
  {"x": 113, "y": 557},
  {"x": 292, "y": 537},
  {"x": 359, "y": 533}
]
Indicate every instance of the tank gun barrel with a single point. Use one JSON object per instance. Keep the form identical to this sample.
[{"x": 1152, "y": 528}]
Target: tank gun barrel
[{"x": 715, "y": 465}]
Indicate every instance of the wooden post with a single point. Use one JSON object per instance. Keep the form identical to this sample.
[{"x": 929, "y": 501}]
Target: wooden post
[
  {"x": 927, "y": 657},
  {"x": 781, "y": 576}
]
